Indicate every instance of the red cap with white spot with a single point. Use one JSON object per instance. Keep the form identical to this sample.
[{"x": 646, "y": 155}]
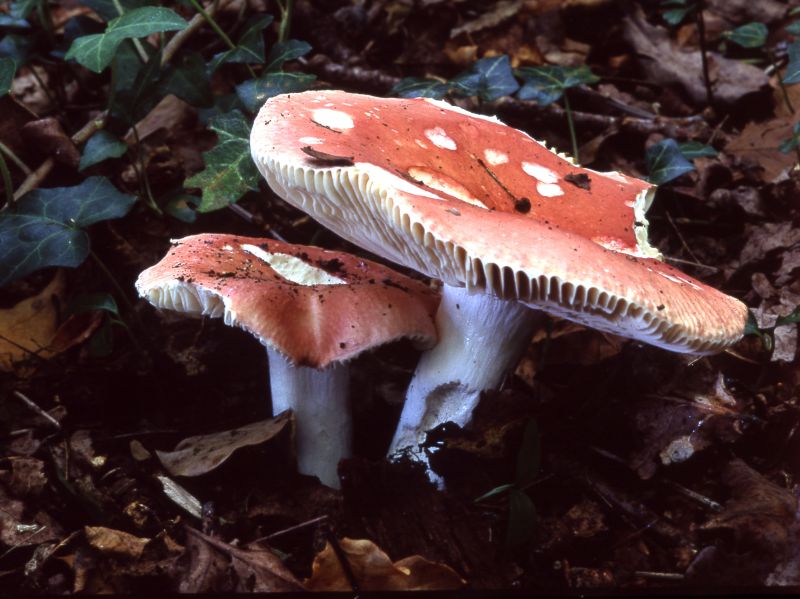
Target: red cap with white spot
[
  {"x": 466, "y": 199},
  {"x": 314, "y": 306}
]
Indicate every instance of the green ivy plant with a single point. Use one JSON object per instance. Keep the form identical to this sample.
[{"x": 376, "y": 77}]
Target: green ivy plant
[
  {"x": 138, "y": 56},
  {"x": 490, "y": 79}
]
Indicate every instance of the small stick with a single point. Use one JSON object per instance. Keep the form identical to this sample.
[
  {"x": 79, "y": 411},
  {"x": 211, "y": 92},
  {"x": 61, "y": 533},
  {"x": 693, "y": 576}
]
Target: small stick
[
  {"x": 340, "y": 555},
  {"x": 38, "y": 410},
  {"x": 660, "y": 575},
  {"x": 302, "y": 525}
]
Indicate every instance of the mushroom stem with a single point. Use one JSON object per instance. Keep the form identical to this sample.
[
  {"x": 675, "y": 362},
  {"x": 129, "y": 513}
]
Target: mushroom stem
[
  {"x": 319, "y": 399},
  {"x": 481, "y": 338}
]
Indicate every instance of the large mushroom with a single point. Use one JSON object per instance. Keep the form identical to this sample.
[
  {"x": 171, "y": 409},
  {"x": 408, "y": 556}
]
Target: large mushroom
[
  {"x": 313, "y": 309},
  {"x": 504, "y": 222}
]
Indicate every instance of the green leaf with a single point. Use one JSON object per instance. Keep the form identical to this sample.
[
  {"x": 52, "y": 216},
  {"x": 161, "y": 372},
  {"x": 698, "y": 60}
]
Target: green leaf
[
  {"x": 696, "y": 149},
  {"x": 45, "y": 229},
  {"x": 95, "y": 52},
  {"x": 791, "y": 318},
  {"x": 494, "y": 492},
  {"x": 8, "y": 68},
  {"x": 230, "y": 171},
  {"x": 751, "y": 326},
  {"x": 255, "y": 92},
  {"x": 132, "y": 105},
  {"x": 665, "y": 162},
  {"x": 528, "y": 456},
  {"x": 250, "y": 48},
  {"x": 11, "y": 22},
  {"x": 188, "y": 81},
  {"x": 547, "y": 84},
  {"x": 17, "y": 46},
  {"x": 675, "y": 16},
  {"x": 283, "y": 52},
  {"x": 793, "y": 28},
  {"x": 489, "y": 79},
  {"x": 751, "y": 35},
  {"x": 794, "y": 141},
  {"x": 792, "y": 73},
  {"x": 86, "y": 302},
  {"x": 183, "y": 207},
  {"x": 22, "y": 8},
  {"x": 521, "y": 519},
  {"x": 414, "y": 87},
  {"x": 101, "y": 146}
]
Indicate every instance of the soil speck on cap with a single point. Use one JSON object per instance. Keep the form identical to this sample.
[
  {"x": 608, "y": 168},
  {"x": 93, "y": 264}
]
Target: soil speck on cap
[
  {"x": 581, "y": 180},
  {"x": 522, "y": 205}
]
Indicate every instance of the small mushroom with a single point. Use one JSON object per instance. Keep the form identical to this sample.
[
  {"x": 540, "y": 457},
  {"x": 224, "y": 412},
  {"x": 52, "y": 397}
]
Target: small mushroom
[
  {"x": 504, "y": 222},
  {"x": 313, "y": 309}
]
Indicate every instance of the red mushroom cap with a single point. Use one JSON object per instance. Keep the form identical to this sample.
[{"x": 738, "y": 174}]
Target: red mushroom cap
[
  {"x": 314, "y": 306},
  {"x": 476, "y": 203}
]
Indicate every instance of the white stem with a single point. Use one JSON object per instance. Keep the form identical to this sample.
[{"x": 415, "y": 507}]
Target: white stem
[
  {"x": 320, "y": 401},
  {"x": 481, "y": 338}
]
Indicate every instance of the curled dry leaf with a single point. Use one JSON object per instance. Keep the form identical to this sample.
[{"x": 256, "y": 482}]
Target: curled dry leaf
[
  {"x": 115, "y": 542},
  {"x": 201, "y": 454},
  {"x": 374, "y": 571}
]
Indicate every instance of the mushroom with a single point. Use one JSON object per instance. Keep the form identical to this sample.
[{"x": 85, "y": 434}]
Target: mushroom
[
  {"x": 313, "y": 309},
  {"x": 504, "y": 222}
]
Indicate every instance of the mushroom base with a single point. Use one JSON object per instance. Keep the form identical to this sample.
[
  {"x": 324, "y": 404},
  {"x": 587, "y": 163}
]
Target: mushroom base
[
  {"x": 320, "y": 401},
  {"x": 481, "y": 338}
]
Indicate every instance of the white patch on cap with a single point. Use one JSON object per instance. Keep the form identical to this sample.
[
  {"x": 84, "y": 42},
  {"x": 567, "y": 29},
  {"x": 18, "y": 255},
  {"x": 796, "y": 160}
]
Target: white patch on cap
[
  {"x": 293, "y": 269},
  {"x": 445, "y": 184},
  {"x": 680, "y": 280},
  {"x": 616, "y": 244},
  {"x": 421, "y": 144},
  {"x": 332, "y": 119},
  {"x": 227, "y": 247},
  {"x": 445, "y": 106},
  {"x": 495, "y": 157},
  {"x": 540, "y": 173},
  {"x": 311, "y": 141},
  {"x": 440, "y": 139},
  {"x": 549, "y": 190}
]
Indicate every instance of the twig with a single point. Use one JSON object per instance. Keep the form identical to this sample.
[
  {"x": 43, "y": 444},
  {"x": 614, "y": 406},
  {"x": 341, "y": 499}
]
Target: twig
[
  {"x": 701, "y": 33},
  {"x": 300, "y": 526},
  {"x": 37, "y": 409},
  {"x": 287, "y": 8},
  {"x": 197, "y": 21},
  {"x": 695, "y": 496},
  {"x": 343, "y": 561},
  {"x": 660, "y": 575},
  {"x": 15, "y": 159}
]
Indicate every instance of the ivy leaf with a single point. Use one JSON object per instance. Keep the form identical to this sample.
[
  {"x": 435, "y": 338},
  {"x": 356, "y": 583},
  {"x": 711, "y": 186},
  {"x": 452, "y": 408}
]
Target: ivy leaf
[
  {"x": 792, "y": 73},
  {"x": 230, "y": 171},
  {"x": 188, "y": 81},
  {"x": 547, "y": 84},
  {"x": 101, "y": 146},
  {"x": 751, "y": 35},
  {"x": 414, "y": 87},
  {"x": 521, "y": 519},
  {"x": 11, "y": 22},
  {"x": 8, "y": 68},
  {"x": 132, "y": 105},
  {"x": 791, "y": 318},
  {"x": 17, "y": 46},
  {"x": 87, "y": 302},
  {"x": 108, "y": 10},
  {"x": 46, "y": 228},
  {"x": 255, "y": 92},
  {"x": 793, "y": 28},
  {"x": 675, "y": 16},
  {"x": 696, "y": 149},
  {"x": 489, "y": 79},
  {"x": 95, "y": 52},
  {"x": 250, "y": 48},
  {"x": 20, "y": 9},
  {"x": 183, "y": 207},
  {"x": 665, "y": 162},
  {"x": 494, "y": 492},
  {"x": 283, "y": 52}
]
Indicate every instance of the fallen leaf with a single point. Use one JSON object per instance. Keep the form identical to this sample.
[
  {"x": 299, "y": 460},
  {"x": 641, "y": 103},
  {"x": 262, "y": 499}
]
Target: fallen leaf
[
  {"x": 496, "y": 13},
  {"x": 759, "y": 529},
  {"x": 667, "y": 64},
  {"x": 203, "y": 453},
  {"x": 50, "y": 140},
  {"x": 115, "y": 542},
  {"x": 374, "y": 570},
  {"x": 256, "y": 569},
  {"x": 28, "y": 327},
  {"x": 17, "y": 529}
]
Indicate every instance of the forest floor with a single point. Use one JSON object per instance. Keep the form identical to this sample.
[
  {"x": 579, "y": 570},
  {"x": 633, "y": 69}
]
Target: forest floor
[{"x": 651, "y": 469}]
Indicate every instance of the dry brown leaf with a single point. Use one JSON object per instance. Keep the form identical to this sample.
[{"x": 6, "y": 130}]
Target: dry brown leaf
[
  {"x": 374, "y": 571},
  {"x": 201, "y": 454},
  {"x": 256, "y": 569},
  {"x": 115, "y": 542},
  {"x": 28, "y": 327},
  {"x": 50, "y": 140},
  {"x": 497, "y": 13},
  {"x": 18, "y": 529}
]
